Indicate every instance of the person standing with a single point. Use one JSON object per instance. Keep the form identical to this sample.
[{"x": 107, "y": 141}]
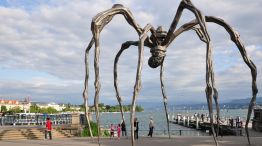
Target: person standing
[
  {"x": 136, "y": 127},
  {"x": 48, "y": 130},
  {"x": 151, "y": 127},
  {"x": 112, "y": 131},
  {"x": 123, "y": 128},
  {"x": 118, "y": 131}
]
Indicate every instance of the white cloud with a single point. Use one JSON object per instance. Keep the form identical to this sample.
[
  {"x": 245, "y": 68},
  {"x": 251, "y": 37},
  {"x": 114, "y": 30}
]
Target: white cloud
[{"x": 51, "y": 38}]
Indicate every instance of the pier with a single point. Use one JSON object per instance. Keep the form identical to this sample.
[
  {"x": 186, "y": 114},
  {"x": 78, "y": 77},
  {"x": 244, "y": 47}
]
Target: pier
[{"x": 202, "y": 123}]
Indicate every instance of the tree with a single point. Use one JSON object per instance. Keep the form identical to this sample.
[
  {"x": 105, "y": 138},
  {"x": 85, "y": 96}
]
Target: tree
[
  {"x": 101, "y": 105},
  {"x": 14, "y": 110},
  {"x": 68, "y": 105},
  {"x": 108, "y": 107},
  {"x": 139, "y": 108},
  {"x": 3, "y": 109},
  {"x": 51, "y": 110},
  {"x": 34, "y": 108}
]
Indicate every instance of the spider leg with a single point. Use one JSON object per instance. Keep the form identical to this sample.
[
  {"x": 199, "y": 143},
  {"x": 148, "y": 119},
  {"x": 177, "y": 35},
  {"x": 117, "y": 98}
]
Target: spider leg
[
  {"x": 103, "y": 18},
  {"x": 98, "y": 23},
  {"x": 187, "y": 4},
  {"x": 137, "y": 86},
  {"x": 124, "y": 46},
  {"x": 97, "y": 83},
  {"x": 200, "y": 34},
  {"x": 85, "y": 93},
  {"x": 236, "y": 39},
  {"x": 164, "y": 96},
  {"x": 215, "y": 95}
]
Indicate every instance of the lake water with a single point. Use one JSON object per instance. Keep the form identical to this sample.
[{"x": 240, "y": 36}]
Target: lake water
[{"x": 160, "y": 120}]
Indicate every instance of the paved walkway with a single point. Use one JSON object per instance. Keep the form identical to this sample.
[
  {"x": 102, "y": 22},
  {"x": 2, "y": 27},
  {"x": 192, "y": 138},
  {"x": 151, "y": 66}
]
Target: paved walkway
[{"x": 144, "y": 141}]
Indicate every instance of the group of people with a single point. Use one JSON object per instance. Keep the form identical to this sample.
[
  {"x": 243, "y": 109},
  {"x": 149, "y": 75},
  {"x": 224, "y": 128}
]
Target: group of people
[
  {"x": 119, "y": 128},
  {"x": 122, "y": 127}
]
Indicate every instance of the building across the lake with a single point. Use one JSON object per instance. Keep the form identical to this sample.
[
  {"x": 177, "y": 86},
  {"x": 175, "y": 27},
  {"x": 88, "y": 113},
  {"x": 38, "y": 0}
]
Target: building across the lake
[
  {"x": 58, "y": 107},
  {"x": 26, "y": 103},
  {"x": 11, "y": 104}
]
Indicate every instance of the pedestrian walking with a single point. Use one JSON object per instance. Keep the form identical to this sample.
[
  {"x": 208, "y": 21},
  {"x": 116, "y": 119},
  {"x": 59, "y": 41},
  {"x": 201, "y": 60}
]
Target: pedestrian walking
[{"x": 151, "y": 127}]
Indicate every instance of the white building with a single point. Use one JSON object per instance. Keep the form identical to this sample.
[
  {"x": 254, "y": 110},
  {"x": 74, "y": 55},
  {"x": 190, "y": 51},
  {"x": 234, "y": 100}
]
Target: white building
[
  {"x": 10, "y": 104},
  {"x": 51, "y": 104}
]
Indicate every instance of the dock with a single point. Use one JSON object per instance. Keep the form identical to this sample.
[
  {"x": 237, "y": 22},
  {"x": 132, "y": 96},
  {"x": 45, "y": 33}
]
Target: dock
[{"x": 202, "y": 123}]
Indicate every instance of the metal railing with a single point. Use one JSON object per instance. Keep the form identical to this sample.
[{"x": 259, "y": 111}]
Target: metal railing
[
  {"x": 35, "y": 119},
  {"x": 164, "y": 133}
]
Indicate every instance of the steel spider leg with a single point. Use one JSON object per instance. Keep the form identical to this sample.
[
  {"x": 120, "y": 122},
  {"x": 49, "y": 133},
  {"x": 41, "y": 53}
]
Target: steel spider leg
[
  {"x": 98, "y": 23},
  {"x": 164, "y": 95},
  {"x": 124, "y": 46},
  {"x": 235, "y": 38},
  {"x": 187, "y": 4},
  {"x": 137, "y": 86},
  {"x": 215, "y": 95},
  {"x": 85, "y": 93}
]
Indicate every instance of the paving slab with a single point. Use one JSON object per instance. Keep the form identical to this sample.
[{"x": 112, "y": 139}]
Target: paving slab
[{"x": 143, "y": 141}]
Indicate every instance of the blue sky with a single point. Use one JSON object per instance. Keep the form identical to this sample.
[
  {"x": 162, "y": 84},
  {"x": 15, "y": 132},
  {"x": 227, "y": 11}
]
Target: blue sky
[{"x": 42, "y": 46}]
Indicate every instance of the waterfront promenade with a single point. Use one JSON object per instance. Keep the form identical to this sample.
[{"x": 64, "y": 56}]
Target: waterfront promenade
[{"x": 143, "y": 141}]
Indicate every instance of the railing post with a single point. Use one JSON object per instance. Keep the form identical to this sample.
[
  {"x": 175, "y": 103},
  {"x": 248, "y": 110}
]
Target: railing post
[
  {"x": 188, "y": 122},
  {"x": 197, "y": 123},
  {"x": 184, "y": 121}
]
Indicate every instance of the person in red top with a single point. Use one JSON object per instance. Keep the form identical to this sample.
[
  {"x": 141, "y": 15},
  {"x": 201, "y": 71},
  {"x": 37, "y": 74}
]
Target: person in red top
[{"x": 48, "y": 130}]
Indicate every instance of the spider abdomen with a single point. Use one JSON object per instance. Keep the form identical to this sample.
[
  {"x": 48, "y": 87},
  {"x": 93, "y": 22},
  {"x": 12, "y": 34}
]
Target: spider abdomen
[{"x": 158, "y": 54}]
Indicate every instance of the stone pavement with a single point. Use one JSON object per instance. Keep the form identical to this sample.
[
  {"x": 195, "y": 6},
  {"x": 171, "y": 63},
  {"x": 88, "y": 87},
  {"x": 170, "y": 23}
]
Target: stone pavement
[{"x": 143, "y": 141}]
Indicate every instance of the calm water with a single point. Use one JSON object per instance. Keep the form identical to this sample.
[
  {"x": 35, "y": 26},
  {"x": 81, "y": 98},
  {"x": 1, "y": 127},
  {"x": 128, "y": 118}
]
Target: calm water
[{"x": 160, "y": 120}]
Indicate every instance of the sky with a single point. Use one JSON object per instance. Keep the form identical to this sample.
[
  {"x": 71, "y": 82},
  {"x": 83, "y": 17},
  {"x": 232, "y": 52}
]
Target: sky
[{"x": 42, "y": 45}]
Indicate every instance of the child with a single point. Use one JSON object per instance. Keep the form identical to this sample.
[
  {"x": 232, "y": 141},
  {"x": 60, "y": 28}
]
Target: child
[
  {"x": 48, "y": 130},
  {"x": 112, "y": 128},
  {"x": 118, "y": 131}
]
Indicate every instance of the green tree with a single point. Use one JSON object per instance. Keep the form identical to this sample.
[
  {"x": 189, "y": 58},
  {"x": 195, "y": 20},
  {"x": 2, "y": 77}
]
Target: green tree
[
  {"x": 68, "y": 109},
  {"x": 82, "y": 107},
  {"x": 101, "y": 105},
  {"x": 108, "y": 107},
  {"x": 14, "y": 110},
  {"x": 68, "y": 105},
  {"x": 34, "y": 108},
  {"x": 49, "y": 110},
  {"x": 3, "y": 109},
  {"x": 139, "y": 108}
]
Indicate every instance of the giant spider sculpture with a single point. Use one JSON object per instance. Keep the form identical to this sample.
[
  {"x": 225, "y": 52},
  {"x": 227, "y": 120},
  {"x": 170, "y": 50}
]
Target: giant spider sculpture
[{"x": 158, "y": 42}]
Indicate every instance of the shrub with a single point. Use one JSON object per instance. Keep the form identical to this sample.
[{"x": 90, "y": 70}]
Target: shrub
[{"x": 86, "y": 133}]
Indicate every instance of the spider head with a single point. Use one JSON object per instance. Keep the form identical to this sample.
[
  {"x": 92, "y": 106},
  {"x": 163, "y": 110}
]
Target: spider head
[
  {"x": 160, "y": 34},
  {"x": 158, "y": 54}
]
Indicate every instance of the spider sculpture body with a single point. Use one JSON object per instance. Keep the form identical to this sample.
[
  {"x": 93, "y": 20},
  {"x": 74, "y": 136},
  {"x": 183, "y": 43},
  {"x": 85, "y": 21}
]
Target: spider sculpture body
[{"x": 158, "y": 42}]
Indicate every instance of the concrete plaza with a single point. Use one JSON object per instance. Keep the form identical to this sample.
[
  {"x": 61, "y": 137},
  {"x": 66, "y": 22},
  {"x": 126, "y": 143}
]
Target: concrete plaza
[{"x": 143, "y": 141}]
